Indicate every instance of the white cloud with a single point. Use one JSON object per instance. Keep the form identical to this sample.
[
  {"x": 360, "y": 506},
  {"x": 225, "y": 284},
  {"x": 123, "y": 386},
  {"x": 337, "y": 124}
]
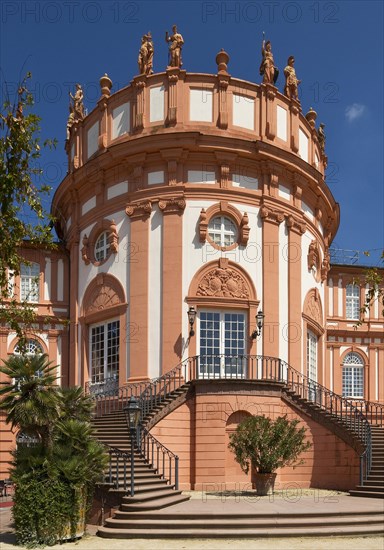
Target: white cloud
[{"x": 354, "y": 111}]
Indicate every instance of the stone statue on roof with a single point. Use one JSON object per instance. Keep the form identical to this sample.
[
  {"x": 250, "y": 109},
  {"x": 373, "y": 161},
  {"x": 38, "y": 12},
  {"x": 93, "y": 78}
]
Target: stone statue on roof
[
  {"x": 175, "y": 46},
  {"x": 291, "y": 80},
  {"x": 321, "y": 137},
  {"x": 78, "y": 105},
  {"x": 70, "y": 121},
  {"x": 268, "y": 70},
  {"x": 146, "y": 52}
]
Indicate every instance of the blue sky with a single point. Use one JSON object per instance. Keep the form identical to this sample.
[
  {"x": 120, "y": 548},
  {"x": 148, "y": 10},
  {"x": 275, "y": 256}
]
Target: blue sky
[{"x": 338, "y": 47}]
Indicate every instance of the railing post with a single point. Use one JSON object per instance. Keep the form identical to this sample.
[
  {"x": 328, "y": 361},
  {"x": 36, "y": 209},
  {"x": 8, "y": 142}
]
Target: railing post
[
  {"x": 110, "y": 466},
  {"x": 132, "y": 492},
  {"x": 176, "y": 473},
  {"x": 361, "y": 469}
]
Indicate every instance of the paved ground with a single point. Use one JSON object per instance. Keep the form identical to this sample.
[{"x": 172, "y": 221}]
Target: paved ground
[{"x": 210, "y": 502}]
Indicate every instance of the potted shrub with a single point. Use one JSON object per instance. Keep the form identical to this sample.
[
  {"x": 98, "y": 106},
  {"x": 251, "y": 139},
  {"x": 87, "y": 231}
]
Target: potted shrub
[
  {"x": 264, "y": 445},
  {"x": 57, "y": 468}
]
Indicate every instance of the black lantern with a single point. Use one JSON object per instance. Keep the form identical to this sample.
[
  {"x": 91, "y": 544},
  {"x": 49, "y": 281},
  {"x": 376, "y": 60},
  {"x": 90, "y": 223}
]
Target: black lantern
[
  {"x": 191, "y": 319},
  {"x": 132, "y": 413},
  {"x": 260, "y": 322}
]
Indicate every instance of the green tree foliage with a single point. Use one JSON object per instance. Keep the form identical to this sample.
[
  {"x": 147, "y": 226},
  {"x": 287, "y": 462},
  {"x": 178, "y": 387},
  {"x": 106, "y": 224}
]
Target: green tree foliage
[
  {"x": 74, "y": 404},
  {"x": 22, "y": 216},
  {"x": 56, "y": 474},
  {"x": 31, "y": 400},
  {"x": 267, "y": 445},
  {"x": 374, "y": 279}
]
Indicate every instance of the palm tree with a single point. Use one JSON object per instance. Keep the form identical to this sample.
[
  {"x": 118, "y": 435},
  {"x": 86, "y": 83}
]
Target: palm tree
[
  {"x": 75, "y": 404},
  {"x": 30, "y": 396},
  {"x": 62, "y": 470}
]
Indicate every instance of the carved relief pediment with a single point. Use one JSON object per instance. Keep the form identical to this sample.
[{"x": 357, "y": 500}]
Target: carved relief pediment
[
  {"x": 312, "y": 307},
  {"x": 223, "y": 283},
  {"x": 103, "y": 297}
]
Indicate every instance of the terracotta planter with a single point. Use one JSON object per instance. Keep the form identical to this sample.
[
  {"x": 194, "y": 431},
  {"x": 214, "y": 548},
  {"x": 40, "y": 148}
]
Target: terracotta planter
[
  {"x": 80, "y": 525},
  {"x": 265, "y": 483}
]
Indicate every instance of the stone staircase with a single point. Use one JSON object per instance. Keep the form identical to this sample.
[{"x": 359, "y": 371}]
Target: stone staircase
[
  {"x": 343, "y": 428},
  {"x": 158, "y": 510},
  {"x": 374, "y": 485},
  {"x": 161, "y": 409},
  {"x": 215, "y": 519},
  {"x": 151, "y": 490}
]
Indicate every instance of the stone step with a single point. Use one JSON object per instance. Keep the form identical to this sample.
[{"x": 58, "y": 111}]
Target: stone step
[
  {"x": 151, "y": 486},
  {"x": 377, "y": 471},
  {"x": 371, "y": 488},
  {"x": 155, "y": 504},
  {"x": 374, "y": 485},
  {"x": 128, "y": 520},
  {"x": 144, "y": 497},
  {"x": 139, "y": 461},
  {"x": 272, "y": 531},
  {"x": 362, "y": 492},
  {"x": 377, "y": 480},
  {"x": 140, "y": 477}
]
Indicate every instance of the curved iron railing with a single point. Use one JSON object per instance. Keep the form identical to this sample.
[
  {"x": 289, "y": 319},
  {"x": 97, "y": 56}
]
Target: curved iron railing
[
  {"x": 114, "y": 399},
  {"x": 374, "y": 412},
  {"x": 162, "y": 459},
  {"x": 154, "y": 393},
  {"x": 119, "y": 474},
  {"x": 121, "y": 470},
  {"x": 159, "y": 390}
]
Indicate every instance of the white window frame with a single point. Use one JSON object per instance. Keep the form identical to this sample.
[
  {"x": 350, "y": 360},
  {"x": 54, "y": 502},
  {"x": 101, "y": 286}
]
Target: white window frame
[
  {"x": 232, "y": 231},
  {"x": 352, "y": 301},
  {"x": 353, "y": 369},
  {"x": 33, "y": 347},
  {"x": 102, "y": 375},
  {"x": 312, "y": 355},
  {"x": 220, "y": 367},
  {"x": 30, "y": 282},
  {"x": 102, "y": 246}
]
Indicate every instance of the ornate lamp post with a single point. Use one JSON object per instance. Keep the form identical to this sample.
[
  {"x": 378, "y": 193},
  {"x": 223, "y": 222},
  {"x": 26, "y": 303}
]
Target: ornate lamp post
[
  {"x": 132, "y": 414},
  {"x": 191, "y": 319},
  {"x": 260, "y": 322}
]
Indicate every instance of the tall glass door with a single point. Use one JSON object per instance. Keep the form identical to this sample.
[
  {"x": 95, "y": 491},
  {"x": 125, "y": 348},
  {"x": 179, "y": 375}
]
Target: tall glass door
[
  {"x": 222, "y": 345},
  {"x": 312, "y": 364}
]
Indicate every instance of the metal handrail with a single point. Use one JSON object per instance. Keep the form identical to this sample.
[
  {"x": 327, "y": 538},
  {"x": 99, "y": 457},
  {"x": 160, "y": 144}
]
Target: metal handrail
[
  {"x": 160, "y": 458},
  {"x": 374, "y": 412},
  {"x": 123, "y": 460},
  {"x": 110, "y": 401},
  {"x": 249, "y": 367}
]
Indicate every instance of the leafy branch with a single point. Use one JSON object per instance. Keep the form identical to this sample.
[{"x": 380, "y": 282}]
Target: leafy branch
[{"x": 23, "y": 218}]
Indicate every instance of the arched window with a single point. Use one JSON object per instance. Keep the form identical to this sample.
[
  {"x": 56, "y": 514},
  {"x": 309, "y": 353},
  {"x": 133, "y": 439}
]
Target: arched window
[
  {"x": 222, "y": 231},
  {"x": 102, "y": 246},
  {"x": 353, "y": 375},
  {"x": 29, "y": 282},
  {"x": 352, "y": 302},
  {"x": 32, "y": 347}
]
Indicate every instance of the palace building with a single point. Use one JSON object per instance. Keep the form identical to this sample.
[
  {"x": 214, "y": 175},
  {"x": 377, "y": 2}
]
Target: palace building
[{"x": 192, "y": 203}]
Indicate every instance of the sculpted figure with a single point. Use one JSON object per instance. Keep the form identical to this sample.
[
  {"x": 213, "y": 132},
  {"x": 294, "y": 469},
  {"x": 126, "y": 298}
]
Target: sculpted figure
[
  {"x": 175, "y": 45},
  {"x": 267, "y": 67},
  {"x": 146, "y": 52},
  {"x": 291, "y": 81},
  {"x": 70, "y": 121},
  {"x": 78, "y": 105},
  {"x": 321, "y": 136}
]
